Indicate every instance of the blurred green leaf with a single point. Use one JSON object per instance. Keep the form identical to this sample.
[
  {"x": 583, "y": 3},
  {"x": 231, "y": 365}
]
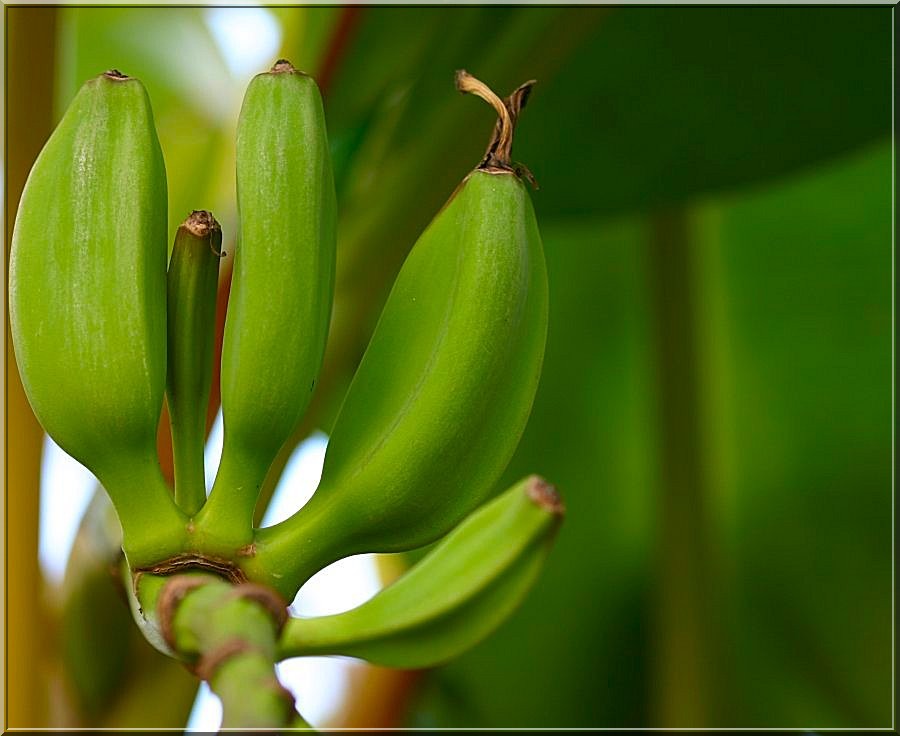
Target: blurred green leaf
[
  {"x": 664, "y": 103},
  {"x": 800, "y": 439},
  {"x": 111, "y": 672}
]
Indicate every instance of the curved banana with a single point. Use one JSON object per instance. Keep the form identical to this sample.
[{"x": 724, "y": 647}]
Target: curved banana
[
  {"x": 280, "y": 302},
  {"x": 454, "y": 597},
  {"x": 87, "y": 291},
  {"x": 192, "y": 282},
  {"x": 443, "y": 392}
]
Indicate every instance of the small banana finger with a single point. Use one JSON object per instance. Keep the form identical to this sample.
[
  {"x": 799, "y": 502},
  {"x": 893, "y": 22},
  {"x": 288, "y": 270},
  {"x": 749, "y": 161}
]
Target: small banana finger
[
  {"x": 455, "y": 596},
  {"x": 191, "y": 284},
  {"x": 87, "y": 297},
  {"x": 280, "y": 302}
]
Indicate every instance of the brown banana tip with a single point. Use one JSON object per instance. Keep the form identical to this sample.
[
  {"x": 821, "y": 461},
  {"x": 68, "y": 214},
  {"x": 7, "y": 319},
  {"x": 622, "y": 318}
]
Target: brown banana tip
[
  {"x": 545, "y": 495},
  {"x": 115, "y": 74},
  {"x": 282, "y": 66},
  {"x": 202, "y": 224}
]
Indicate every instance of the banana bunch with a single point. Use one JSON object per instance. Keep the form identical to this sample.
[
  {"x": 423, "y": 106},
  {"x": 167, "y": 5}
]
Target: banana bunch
[{"x": 103, "y": 330}]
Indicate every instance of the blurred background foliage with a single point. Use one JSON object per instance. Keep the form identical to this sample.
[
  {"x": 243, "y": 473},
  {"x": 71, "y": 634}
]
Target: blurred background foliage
[{"x": 716, "y": 205}]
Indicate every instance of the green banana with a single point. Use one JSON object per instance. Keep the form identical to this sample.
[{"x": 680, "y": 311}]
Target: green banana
[
  {"x": 280, "y": 302},
  {"x": 88, "y": 299},
  {"x": 443, "y": 392},
  {"x": 192, "y": 282},
  {"x": 455, "y": 596}
]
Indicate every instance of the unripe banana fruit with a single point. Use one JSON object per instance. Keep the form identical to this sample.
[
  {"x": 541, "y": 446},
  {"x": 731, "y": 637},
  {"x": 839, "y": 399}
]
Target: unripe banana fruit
[
  {"x": 454, "y": 597},
  {"x": 87, "y": 295},
  {"x": 192, "y": 282},
  {"x": 280, "y": 302},
  {"x": 443, "y": 392}
]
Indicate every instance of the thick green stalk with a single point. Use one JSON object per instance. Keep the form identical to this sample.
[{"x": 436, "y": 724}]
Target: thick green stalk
[
  {"x": 227, "y": 634},
  {"x": 192, "y": 282}
]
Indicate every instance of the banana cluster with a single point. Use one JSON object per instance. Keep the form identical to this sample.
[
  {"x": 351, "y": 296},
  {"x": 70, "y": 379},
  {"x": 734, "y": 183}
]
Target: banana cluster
[{"x": 103, "y": 330}]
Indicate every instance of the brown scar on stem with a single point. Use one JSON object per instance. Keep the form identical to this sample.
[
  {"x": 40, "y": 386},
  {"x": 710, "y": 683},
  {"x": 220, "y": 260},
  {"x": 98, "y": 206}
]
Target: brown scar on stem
[
  {"x": 193, "y": 562},
  {"x": 172, "y": 594},
  {"x": 266, "y": 597},
  {"x": 544, "y": 495},
  {"x": 209, "y": 663}
]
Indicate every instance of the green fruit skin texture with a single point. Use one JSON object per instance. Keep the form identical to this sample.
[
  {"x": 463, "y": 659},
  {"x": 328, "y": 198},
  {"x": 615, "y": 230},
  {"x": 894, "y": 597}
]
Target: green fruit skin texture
[
  {"x": 442, "y": 394},
  {"x": 87, "y": 293},
  {"x": 454, "y": 597},
  {"x": 280, "y": 303}
]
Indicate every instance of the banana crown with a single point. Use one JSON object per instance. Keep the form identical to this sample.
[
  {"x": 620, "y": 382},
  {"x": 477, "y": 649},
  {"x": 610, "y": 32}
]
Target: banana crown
[{"x": 103, "y": 328}]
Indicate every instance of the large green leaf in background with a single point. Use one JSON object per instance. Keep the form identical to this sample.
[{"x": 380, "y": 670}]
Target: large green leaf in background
[
  {"x": 664, "y": 103},
  {"x": 793, "y": 346},
  {"x": 801, "y": 432}
]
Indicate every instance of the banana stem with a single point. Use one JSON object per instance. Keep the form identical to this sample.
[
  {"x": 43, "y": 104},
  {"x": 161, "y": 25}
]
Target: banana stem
[
  {"x": 498, "y": 156},
  {"x": 228, "y": 636},
  {"x": 229, "y": 510},
  {"x": 153, "y": 527}
]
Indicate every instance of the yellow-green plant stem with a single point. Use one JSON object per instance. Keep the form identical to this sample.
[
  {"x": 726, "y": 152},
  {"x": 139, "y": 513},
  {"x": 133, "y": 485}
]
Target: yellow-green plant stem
[
  {"x": 192, "y": 282},
  {"x": 229, "y": 639},
  {"x": 153, "y": 527}
]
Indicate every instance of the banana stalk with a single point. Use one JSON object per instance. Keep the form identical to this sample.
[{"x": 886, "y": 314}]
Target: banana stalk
[{"x": 226, "y": 635}]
